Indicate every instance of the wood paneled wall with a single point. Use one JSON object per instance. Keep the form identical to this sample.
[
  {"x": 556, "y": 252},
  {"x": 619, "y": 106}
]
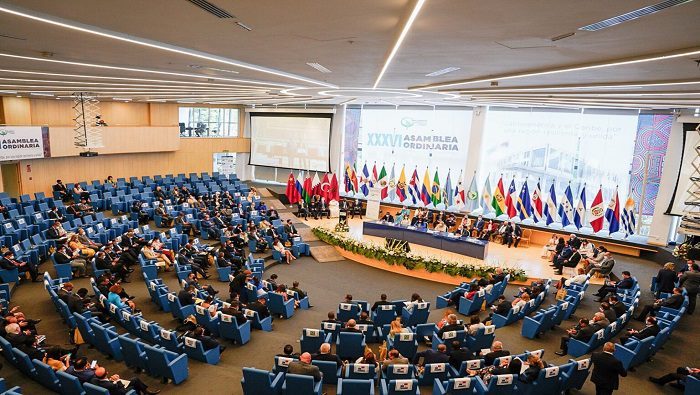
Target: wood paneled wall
[{"x": 141, "y": 139}]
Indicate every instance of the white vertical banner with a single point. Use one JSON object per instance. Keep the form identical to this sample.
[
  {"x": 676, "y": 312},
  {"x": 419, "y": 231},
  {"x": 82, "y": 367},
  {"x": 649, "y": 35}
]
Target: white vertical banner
[{"x": 375, "y": 195}]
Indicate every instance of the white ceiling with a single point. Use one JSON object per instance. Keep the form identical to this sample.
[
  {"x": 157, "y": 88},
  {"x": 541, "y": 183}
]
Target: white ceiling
[{"x": 488, "y": 41}]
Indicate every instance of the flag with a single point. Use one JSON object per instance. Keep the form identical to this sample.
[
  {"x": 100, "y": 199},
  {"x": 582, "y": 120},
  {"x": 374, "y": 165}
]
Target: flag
[
  {"x": 472, "y": 196},
  {"x": 511, "y": 198},
  {"x": 459, "y": 195},
  {"x": 498, "y": 201},
  {"x": 325, "y": 188},
  {"x": 628, "y": 220},
  {"x": 364, "y": 180},
  {"x": 447, "y": 191},
  {"x": 374, "y": 178},
  {"x": 383, "y": 183},
  {"x": 392, "y": 185},
  {"x": 523, "y": 204},
  {"x": 550, "y": 210},
  {"x": 566, "y": 207},
  {"x": 298, "y": 186},
  {"x": 315, "y": 185},
  {"x": 486, "y": 195},
  {"x": 292, "y": 193},
  {"x": 401, "y": 185},
  {"x": 537, "y": 203},
  {"x": 580, "y": 213},
  {"x": 612, "y": 214},
  {"x": 334, "y": 191},
  {"x": 413, "y": 188},
  {"x": 350, "y": 179},
  {"x": 435, "y": 190},
  {"x": 425, "y": 189},
  {"x": 306, "y": 192},
  {"x": 597, "y": 212}
]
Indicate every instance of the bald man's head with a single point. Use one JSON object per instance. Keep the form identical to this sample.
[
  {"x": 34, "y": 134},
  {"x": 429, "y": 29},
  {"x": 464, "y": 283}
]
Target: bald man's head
[
  {"x": 351, "y": 323},
  {"x": 609, "y": 347},
  {"x": 325, "y": 348},
  {"x": 442, "y": 348},
  {"x": 497, "y": 346},
  {"x": 305, "y": 357},
  {"x": 100, "y": 372}
]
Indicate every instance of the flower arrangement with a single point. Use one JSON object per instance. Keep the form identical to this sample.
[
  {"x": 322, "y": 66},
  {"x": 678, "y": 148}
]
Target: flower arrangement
[
  {"x": 395, "y": 255},
  {"x": 342, "y": 227},
  {"x": 681, "y": 251}
]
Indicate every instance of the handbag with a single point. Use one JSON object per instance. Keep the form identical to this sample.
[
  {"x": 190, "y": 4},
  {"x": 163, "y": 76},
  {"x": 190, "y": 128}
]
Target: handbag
[{"x": 561, "y": 294}]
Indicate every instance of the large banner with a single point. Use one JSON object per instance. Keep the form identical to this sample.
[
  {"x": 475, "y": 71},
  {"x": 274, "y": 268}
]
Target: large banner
[
  {"x": 24, "y": 142},
  {"x": 437, "y": 139}
]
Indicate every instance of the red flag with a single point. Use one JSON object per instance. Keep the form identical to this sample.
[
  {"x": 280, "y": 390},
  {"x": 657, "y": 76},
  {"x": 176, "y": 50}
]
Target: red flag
[
  {"x": 597, "y": 212},
  {"x": 292, "y": 192},
  {"x": 325, "y": 188},
  {"x": 334, "y": 193}
]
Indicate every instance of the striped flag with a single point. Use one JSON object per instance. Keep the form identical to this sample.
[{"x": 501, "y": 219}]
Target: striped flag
[
  {"x": 511, "y": 198},
  {"x": 580, "y": 214},
  {"x": 374, "y": 178},
  {"x": 566, "y": 207},
  {"x": 364, "y": 180},
  {"x": 413, "y": 188},
  {"x": 300, "y": 188},
  {"x": 435, "y": 195},
  {"x": 523, "y": 204},
  {"x": 425, "y": 188},
  {"x": 550, "y": 209},
  {"x": 392, "y": 184},
  {"x": 447, "y": 191},
  {"x": 627, "y": 217},
  {"x": 315, "y": 185},
  {"x": 459, "y": 193},
  {"x": 486, "y": 195},
  {"x": 401, "y": 185},
  {"x": 612, "y": 214},
  {"x": 383, "y": 183},
  {"x": 537, "y": 203},
  {"x": 597, "y": 212},
  {"x": 499, "y": 201}
]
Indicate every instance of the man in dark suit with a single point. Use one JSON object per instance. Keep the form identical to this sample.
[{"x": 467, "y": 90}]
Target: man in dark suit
[
  {"x": 186, "y": 296},
  {"x": 606, "y": 370},
  {"x": 459, "y": 354},
  {"x": 116, "y": 386},
  {"x": 261, "y": 307},
  {"x": 350, "y": 327},
  {"x": 432, "y": 356},
  {"x": 290, "y": 229},
  {"x": 617, "y": 306},
  {"x": 650, "y": 330},
  {"x": 690, "y": 280},
  {"x": 387, "y": 217},
  {"x": 575, "y": 242},
  {"x": 324, "y": 354},
  {"x": 9, "y": 262},
  {"x": 674, "y": 301},
  {"x": 62, "y": 191},
  {"x": 571, "y": 261},
  {"x": 475, "y": 230},
  {"x": 500, "y": 307},
  {"x": 584, "y": 332},
  {"x": 517, "y": 235},
  {"x": 304, "y": 367},
  {"x": 626, "y": 283},
  {"x": 381, "y": 302},
  {"x": 208, "y": 342},
  {"x": 497, "y": 351}
]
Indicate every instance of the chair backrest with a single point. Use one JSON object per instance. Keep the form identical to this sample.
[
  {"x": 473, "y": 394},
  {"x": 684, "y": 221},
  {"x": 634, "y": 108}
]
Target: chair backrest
[
  {"x": 299, "y": 384},
  {"x": 501, "y": 384},
  {"x": 355, "y": 386},
  {"x": 399, "y": 372},
  {"x": 403, "y": 387},
  {"x": 256, "y": 381},
  {"x": 91, "y": 389},
  {"x": 576, "y": 373},
  {"x": 69, "y": 383}
]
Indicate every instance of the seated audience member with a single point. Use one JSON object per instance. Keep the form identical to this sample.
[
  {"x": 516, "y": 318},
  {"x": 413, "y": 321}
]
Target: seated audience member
[
  {"x": 459, "y": 354},
  {"x": 56, "y": 232},
  {"x": 62, "y": 191},
  {"x": 162, "y": 260},
  {"x": 234, "y": 310},
  {"x": 116, "y": 386},
  {"x": 626, "y": 283},
  {"x": 286, "y": 253},
  {"x": 415, "y": 300},
  {"x": 304, "y": 367},
  {"x": 186, "y": 296},
  {"x": 487, "y": 231},
  {"x": 651, "y": 329},
  {"x": 474, "y": 325},
  {"x": 497, "y": 351},
  {"x": 569, "y": 261},
  {"x": 582, "y": 332},
  {"x": 299, "y": 291},
  {"x": 396, "y": 327},
  {"x": 674, "y": 302},
  {"x": 57, "y": 362},
  {"x": 88, "y": 242},
  {"x": 76, "y": 245},
  {"x": 166, "y": 220},
  {"x": 8, "y": 262},
  {"x": 534, "y": 365},
  {"x": 208, "y": 342},
  {"x": 290, "y": 229},
  {"x": 114, "y": 297},
  {"x": 500, "y": 307},
  {"x": 451, "y": 325},
  {"x": 260, "y": 306},
  {"x": 24, "y": 340},
  {"x": 579, "y": 279},
  {"x": 324, "y": 354},
  {"x": 368, "y": 358},
  {"x": 381, "y": 302},
  {"x": 387, "y": 217},
  {"x": 187, "y": 227},
  {"x": 364, "y": 319},
  {"x": 609, "y": 313},
  {"x": 681, "y": 374},
  {"x": 598, "y": 266},
  {"x": 331, "y": 318},
  {"x": 440, "y": 227},
  {"x": 350, "y": 326},
  {"x": 586, "y": 249},
  {"x": 114, "y": 266},
  {"x": 394, "y": 358},
  {"x": 432, "y": 356},
  {"x": 82, "y": 370},
  {"x": 288, "y": 352},
  {"x": 521, "y": 301},
  {"x": 77, "y": 263},
  {"x": 548, "y": 248}
]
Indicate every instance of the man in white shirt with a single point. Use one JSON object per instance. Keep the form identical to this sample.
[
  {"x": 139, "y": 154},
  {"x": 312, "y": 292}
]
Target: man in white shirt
[{"x": 580, "y": 278}]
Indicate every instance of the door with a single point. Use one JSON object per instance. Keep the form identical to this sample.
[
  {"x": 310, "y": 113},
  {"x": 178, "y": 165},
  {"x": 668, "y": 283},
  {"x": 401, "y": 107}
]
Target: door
[{"x": 10, "y": 179}]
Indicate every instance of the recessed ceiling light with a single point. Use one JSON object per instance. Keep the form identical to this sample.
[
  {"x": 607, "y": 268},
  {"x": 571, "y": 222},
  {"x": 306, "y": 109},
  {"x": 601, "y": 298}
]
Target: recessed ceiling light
[
  {"x": 443, "y": 71},
  {"x": 41, "y": 94},
  {"x": 9, "y": 92},
  {"x": 319, "y": 67},
  {"x": 244, "y": 26},
  {"x": 632, "y": 15}
]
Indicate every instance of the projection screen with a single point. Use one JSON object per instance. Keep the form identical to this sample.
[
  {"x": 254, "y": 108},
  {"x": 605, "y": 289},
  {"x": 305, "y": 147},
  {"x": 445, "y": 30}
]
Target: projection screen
[{"x": 291, "y": 140}]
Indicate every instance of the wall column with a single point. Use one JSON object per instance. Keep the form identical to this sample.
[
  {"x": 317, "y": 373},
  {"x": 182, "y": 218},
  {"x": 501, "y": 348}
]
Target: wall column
[{"x": 474, "y": 148}]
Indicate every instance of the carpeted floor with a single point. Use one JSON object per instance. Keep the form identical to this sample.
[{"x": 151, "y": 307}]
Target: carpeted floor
[{"x": 327, "y": 283}]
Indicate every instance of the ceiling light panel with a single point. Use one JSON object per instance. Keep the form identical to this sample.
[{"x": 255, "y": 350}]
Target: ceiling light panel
[
  {"x": 632, "y": 15},
  {"x": 319, "y": 67},
  {"x": 443, "y": 71}
]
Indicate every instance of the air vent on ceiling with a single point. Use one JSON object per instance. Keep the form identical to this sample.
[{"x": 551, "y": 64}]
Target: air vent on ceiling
[
  {"x": 319, "y": 67},
  {"x": 211, "y": 8},
  {"x": 12, "y": 37},
  {"x": 632, "y": 15}
]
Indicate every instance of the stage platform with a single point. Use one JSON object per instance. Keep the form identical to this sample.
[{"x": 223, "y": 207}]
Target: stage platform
[{"x": 524, "y": 257}]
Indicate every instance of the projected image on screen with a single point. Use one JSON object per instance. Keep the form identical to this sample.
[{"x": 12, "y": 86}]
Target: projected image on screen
[{"x": 294, "y": 141}]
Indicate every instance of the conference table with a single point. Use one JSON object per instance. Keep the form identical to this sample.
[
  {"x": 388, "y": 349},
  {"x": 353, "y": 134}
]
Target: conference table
[{"x": 467, "y": 246}]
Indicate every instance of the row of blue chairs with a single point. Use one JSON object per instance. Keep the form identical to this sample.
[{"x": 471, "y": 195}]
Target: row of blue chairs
[{"x": 516, "y": 314}]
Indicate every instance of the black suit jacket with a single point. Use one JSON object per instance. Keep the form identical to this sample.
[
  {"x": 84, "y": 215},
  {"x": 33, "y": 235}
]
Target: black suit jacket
[
  {"x": 490, "y": 357},
  {"x": 666, "y": 280},
  {"x": 649, "y": 331},
  {"x": 606, "y": 370},
  {"x": 459, "y": 356},
  {"x": 114, "y": 388},
  {"x": 673, "y": 301}
]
